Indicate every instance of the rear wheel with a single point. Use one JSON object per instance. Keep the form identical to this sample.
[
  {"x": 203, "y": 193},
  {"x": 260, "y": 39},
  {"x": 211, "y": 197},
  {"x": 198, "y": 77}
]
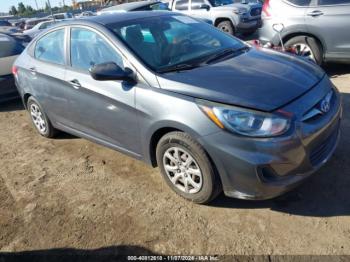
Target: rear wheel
[
  {"x": 227, "y": 27},
  {"x": 306, "y": 46},
  {"x": 186, "y": 168},
  {"x": 39, "y": 119}
]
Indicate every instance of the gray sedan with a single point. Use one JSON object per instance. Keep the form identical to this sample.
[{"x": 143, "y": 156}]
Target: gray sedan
[{"x": 213, "y": 113}]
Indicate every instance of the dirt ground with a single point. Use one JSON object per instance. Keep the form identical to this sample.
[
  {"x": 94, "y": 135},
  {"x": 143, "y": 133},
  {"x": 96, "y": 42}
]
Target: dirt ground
[{"x": 69, "y": 193}]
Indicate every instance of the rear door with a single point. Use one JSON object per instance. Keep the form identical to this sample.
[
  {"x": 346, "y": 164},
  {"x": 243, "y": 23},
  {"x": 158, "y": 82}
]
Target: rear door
[
  {"x": 330, "y": 21},
  {"x": 45, "y": 74},
  {"x": 101, "y": 110}
]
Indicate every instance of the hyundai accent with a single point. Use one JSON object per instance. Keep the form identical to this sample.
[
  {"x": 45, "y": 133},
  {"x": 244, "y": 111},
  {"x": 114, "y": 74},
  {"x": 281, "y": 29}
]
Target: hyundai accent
[{"x": 213, "y": 113}]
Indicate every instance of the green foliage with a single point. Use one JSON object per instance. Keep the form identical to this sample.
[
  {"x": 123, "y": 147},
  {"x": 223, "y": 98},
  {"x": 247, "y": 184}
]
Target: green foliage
[{"x": 13, "y": 10}]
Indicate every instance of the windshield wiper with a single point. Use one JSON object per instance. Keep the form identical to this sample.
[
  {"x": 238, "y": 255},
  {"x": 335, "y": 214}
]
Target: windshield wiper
[
  {"x": 224, "y": 53},
  {"x": 178, "y": 67}
]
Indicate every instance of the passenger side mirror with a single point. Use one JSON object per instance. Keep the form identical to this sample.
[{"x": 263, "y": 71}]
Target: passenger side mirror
[
  {"x": 111, "y": 71},
  {"x": 205, "y": 6}
]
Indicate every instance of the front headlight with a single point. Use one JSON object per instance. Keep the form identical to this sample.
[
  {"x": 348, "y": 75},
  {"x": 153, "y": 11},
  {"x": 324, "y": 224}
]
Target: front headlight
[
  {"x": 245, "y": 121},
  {"x": 240, "y": 11}
]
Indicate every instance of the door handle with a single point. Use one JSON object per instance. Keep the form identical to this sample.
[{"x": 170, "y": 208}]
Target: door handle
[
  {"x": 32, "y": 70},
  {"x": 75, "y": 83},
  {"x": 315, "y": 13}
]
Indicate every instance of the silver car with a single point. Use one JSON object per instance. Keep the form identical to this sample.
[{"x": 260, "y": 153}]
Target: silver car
[
  {"x": 212, "y": 112},
  {"x": 228, "y": 16},
  {"x": 318, "y": 29}
]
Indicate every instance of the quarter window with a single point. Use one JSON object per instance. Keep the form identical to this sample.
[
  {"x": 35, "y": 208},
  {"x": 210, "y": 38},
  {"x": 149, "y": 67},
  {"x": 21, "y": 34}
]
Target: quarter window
[
  {"x": 50, "y": 47},
  {"x": 333, "y": 2},
  {"x": 89, "y": 48},
  {"x": 181, "y": 5},
  {"x": 300, "y": 2}
]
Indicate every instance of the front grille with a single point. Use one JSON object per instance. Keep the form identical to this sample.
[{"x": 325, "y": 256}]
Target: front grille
[
  {"x": 316, "y": 111},
  {"x": 322, "y": 151},
  {"x": 255, "y": 11}
]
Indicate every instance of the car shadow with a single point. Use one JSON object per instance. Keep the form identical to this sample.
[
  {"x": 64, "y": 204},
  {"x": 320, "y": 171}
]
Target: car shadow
[
  {"x": 325, "y": 194},
  {"x": 335, "y": 70},
  {"x": 13, "y": 105},
  {"x": 112, "y": 253}
]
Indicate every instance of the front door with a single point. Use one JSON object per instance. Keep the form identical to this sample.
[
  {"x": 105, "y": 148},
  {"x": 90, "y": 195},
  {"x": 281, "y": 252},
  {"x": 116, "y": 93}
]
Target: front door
[{"x": 102, "y": 110}]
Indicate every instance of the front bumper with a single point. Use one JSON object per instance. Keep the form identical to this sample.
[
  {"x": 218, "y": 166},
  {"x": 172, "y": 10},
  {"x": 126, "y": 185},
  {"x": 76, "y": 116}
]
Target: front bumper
[
  {"x": 248, "y": 25},
  {"x": 260, "y": 169}
]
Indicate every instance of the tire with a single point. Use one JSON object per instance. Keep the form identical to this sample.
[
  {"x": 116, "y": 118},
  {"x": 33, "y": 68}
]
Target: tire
[
  {"x": 39, "y": 119},
  {"x": 311, "y": 43},
  {"x": 199, "y": 170},
  {"x": 226, "y": 26}
]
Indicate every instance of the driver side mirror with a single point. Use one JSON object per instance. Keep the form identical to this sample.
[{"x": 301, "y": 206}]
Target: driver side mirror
[
  {"x": 205, "y": 6},
  {"x": 111, "y": 71}
]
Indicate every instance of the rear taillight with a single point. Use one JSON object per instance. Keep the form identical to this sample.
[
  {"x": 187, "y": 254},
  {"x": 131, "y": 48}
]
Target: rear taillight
[
  {"x": 14, "y": 70},
  {"x": 266, "y": 8}
]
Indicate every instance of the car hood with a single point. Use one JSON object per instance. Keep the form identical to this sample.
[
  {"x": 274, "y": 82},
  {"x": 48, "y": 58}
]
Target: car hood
[{"x": 263, "y": 80}]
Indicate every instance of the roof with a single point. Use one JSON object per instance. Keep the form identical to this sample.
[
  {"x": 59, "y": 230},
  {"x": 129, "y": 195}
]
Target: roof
[
  {"x": 120, "y": 17},
  {"x": 128, "y": 6}
]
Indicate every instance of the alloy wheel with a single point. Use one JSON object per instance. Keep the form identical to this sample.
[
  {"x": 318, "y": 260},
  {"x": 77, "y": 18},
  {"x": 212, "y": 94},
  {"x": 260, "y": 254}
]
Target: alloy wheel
[
  {"x": 303, "y": 50},
  {"x": 182, "y": 170},
  {"x": 38, "y": 118}
]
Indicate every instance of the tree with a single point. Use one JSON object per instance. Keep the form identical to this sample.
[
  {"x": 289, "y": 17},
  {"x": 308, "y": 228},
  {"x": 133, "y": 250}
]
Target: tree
[
  {"x": 21, "y": 8},
  {"x": 13, "y": 10}
]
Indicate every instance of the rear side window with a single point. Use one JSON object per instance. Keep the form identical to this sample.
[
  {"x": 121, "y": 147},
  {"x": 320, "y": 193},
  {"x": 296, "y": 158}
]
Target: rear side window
[
  {"x": 50, "y": 48},
  {"x": 89, "y": 48},
  {"x": 181, "y": 5},
  {"x": 333, "y": 2},
  {"x": 300, "y": 2}
]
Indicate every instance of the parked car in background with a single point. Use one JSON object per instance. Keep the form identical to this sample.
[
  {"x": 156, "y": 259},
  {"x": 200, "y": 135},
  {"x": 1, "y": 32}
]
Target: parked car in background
[
  {"x": 7, "y": 28},
  {"x": 60, "y": 16},
  {"x": 30, "y": 23},
  {"x": 85, "y": 14},
  {"x": 10, "y": 48},
  {"x": 226, "y": 15},
  {"x": 212, "y": 112},
  {"x": 318, "y": 29},
  {"x": 134, "y": 6},
  {"x": 38, "y": 28},
  {"x": 13, "y": 31}
]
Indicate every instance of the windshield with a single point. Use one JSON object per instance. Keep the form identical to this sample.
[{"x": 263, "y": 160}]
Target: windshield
[
  {"x": 165, "y": 41},
  {"x": 220, "y": 2}
]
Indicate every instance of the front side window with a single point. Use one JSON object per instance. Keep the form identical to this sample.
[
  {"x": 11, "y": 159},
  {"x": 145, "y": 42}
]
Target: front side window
[
  {"x": 300, "y": 2},
  {"x": 165, "y": 41},
  {"x": 220, "y": 2},
  {"x": 89, "y": 48},
  {"x": 181, "y": 5},
  {"x": 197, "y": 4},
  {"x": 50, "y": 48},
  {"x": 333, "y": 2}
]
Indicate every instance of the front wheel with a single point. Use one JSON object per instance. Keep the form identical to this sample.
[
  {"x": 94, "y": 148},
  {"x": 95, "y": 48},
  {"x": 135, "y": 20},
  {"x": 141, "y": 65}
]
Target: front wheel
[
  {"x": 227, "y": 27},
  {"x": 186, "y": 168},
  {"x": 306, "y": 46}
]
